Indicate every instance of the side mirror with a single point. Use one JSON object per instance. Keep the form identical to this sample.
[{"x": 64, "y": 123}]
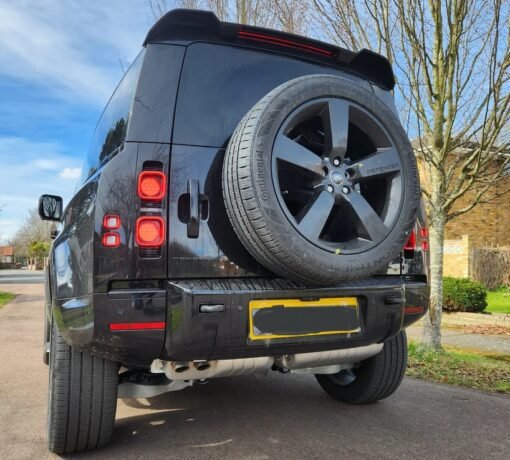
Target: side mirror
[{"x": 50, "y": 207}]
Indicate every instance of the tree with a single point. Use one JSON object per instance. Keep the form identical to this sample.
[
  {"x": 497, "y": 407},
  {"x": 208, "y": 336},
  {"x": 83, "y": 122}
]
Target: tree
[
  {"x": 255, "y": 12},
  {"x": 39, "y": 249},
  {"x": 33, "y": 230},
  {"x": 452, "y": 64}
]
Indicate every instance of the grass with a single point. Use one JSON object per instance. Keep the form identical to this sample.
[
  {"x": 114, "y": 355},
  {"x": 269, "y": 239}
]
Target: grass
[
  {"x": 5, "y": 297},
  {"x": 498, "y": 301},
  {"x": 487, "y": 372}
]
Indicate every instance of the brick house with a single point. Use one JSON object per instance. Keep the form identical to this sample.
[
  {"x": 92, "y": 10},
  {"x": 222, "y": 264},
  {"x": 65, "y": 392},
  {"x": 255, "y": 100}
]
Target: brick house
[
  {"x": 6, "y": 256},
  {"x": 486, "y": 225}
]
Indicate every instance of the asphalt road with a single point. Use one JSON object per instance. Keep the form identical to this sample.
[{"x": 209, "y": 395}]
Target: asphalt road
[
  {"x": 21, "y": 277},
  {"x": 279, "y": 416}
]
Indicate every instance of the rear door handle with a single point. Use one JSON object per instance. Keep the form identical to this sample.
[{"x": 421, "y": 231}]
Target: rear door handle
[{"x": 193, "y": 226}]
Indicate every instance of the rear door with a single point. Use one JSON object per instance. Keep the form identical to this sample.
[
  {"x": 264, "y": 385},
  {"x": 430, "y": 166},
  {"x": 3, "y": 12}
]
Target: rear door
[{"x": 218, "y": 85}]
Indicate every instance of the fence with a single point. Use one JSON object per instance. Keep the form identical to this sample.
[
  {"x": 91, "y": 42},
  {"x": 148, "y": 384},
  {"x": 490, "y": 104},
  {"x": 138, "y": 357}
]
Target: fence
[{"x": 491, "y": 266}]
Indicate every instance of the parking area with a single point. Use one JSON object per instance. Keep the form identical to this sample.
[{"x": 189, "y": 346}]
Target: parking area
[{"x": 278, "y": 416}]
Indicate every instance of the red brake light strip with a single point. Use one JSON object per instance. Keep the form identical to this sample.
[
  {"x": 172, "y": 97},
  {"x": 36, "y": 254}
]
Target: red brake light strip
[{"x": 283, "y": 42}]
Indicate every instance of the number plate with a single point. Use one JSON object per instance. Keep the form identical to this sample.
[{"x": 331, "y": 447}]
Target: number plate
[{"x": 287, "y": 318}]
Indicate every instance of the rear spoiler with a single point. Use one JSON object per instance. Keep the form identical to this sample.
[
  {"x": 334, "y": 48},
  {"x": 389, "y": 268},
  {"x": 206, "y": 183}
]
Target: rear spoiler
[{"x": 195, "y": 25}]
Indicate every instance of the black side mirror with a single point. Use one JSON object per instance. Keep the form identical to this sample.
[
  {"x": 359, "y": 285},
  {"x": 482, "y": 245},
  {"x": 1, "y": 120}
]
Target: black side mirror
[{"x": 50, "y": 207}]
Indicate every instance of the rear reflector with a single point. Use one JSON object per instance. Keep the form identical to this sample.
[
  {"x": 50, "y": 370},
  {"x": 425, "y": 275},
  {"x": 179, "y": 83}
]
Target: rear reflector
[
  {"x": 150, "y": 231},
  {"x": 151, "y": 185},
  {"x": 424, "y": 232},
  {"x": 411, "y": 242},
  {"x": 111, "y": 221},
  {"x": 111, "y": 240},
  {"x": 137, "y": 326},
  {"x": 273, "y": 40},
  {"x": 413, "y": 310},
  {"x": 425, "y": 245}
]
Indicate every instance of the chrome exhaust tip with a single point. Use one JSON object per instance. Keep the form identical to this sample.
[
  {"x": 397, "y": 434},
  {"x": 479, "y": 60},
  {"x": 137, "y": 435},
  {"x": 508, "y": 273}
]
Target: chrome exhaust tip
[
  {"x": 201, "y": 365},
  {"x": 180, "y": 367}
]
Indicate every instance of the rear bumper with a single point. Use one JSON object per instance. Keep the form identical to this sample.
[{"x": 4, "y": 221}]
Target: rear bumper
[{"x": 387, "y": 304}]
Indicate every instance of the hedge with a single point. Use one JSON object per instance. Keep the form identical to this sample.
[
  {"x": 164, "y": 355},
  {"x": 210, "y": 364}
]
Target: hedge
[{"x": 463, "y": 294}]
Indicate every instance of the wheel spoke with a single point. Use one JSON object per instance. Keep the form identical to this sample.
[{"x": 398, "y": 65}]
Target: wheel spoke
[
  {"x": 384, "y": 161},
  {"x": 287, "y": 150},
  {"x": 373, "y": 224},
  {"x": 336, "y": 128},
  {"x": 316, "y": 214}
]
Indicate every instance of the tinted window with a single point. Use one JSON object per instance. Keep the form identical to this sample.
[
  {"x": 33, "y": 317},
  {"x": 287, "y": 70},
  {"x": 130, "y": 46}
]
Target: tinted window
[
  {"x": 111, "y": 128},
  {"x": 219, "y": 84}
]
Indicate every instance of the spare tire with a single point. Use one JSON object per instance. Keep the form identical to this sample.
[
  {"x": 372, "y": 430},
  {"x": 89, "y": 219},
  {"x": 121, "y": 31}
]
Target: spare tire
[{"x": 320, "y": 181}]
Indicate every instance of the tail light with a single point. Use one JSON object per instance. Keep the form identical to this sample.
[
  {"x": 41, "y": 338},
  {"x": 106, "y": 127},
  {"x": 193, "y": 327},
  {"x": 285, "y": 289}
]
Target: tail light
[
  {"x": 111, "y": 240},
  {"x": 151, "y": 185},
  {"x": 150, "y": 231},
  {"x": 424, "y": 233},
  {"x": 411, "y": 242},
  {"x": 111, "y": 222}
]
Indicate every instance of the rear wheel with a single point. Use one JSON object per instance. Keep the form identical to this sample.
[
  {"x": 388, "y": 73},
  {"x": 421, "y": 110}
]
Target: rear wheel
[
  {"x": 376, "y": 378},
  {"x": 82, "y": 398}
]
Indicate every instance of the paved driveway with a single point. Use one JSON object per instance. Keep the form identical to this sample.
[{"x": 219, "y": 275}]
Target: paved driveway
[{"x": 280, "y": 416}]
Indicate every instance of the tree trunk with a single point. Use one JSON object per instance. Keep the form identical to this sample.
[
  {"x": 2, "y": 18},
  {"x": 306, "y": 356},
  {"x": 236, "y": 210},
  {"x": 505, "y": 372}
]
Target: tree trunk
[{"x": 431, "y": 336}]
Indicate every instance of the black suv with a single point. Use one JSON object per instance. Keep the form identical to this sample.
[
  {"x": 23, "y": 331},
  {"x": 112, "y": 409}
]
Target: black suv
[{"x": 249, "y": 203}]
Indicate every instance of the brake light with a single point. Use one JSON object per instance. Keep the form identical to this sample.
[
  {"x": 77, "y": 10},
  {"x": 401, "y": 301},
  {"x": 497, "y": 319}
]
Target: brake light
[
  {"x": 111, "y": 240},
  {"x": 150, "y": 231},
  {"x": 111, "y": 221},
  {"x": 424, "y": 232},
  {"x": 273, "y": 40},
  {"x": 153, "y": 325},
  {"x": 411, "y": 242},
  {"x": 151, "y": 185}
]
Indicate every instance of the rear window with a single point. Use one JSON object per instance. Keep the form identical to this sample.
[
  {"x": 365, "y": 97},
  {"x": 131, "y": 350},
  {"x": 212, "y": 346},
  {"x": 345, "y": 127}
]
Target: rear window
[
  {"x": 111, "y": 129},
  {"x": 219, "y": 84}
]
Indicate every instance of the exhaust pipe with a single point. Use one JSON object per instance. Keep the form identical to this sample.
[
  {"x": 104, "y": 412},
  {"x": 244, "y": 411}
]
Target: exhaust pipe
[
  {"x": 180, "y": 367},
  {"x": 201, "y": 365},
  {"x": 322, "y": 362}
]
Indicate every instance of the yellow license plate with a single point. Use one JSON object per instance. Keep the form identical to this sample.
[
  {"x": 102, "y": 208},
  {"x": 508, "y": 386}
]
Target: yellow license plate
[{"x": 288, "y": 318}]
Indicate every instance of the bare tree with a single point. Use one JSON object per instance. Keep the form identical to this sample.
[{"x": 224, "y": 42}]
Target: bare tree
[
  {"x": 33, "y": 230},
  {"x": 452, "y": 63},
  {"x": 255, "y": 12},
  {"x": 292, "y": 15}
]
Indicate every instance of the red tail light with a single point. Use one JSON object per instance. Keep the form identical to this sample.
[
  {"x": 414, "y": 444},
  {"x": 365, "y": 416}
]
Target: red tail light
[
  {"x": 411, "y": 242},
  {"x": 111, "y": 240},
  {"x": 150, "y": 231},
  {"x": 151, "y": 185},
  {"x": 424, "y": 232},
  {"x": 111, "y": 221}
]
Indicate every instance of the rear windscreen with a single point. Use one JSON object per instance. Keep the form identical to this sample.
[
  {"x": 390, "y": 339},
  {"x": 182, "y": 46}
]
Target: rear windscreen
[{"x": 220, "y": 83}]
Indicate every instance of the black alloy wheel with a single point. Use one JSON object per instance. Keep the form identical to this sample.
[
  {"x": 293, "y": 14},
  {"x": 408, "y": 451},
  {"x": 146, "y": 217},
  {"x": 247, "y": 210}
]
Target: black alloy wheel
[{"x": 338, "y": 175}]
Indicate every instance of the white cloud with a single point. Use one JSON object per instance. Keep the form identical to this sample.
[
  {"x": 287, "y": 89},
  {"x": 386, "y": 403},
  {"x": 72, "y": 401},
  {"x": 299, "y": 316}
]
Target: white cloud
[
  {"x": 22, "y": 183},
  {"x": 70, "y": 173},
  {"x": 72, "y": 48}
]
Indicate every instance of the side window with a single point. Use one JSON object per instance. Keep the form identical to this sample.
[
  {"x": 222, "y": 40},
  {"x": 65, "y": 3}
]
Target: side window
[{"x": 111, "y": 128}]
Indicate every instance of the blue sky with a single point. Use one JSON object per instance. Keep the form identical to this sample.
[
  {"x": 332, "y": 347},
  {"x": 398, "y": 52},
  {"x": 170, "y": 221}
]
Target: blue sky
[{"x": 59, "y": 63}]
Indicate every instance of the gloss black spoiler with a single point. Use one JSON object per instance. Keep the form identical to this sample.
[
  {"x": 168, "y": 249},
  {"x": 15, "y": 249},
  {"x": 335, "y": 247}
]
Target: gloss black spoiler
[{"x": 185, "y": 25}]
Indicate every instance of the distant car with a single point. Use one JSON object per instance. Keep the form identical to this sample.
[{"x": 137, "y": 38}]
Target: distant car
[{"x": 250, "y": 202}]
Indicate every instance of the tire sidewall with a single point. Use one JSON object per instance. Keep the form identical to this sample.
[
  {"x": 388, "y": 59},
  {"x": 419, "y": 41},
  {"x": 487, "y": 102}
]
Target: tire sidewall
[{"x": 304, "y": 90}]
